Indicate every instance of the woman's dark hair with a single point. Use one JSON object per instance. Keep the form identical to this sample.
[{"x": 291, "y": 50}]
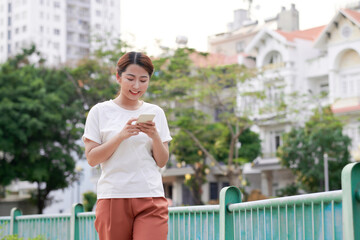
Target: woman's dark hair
[{"x": 137, "y": 58}]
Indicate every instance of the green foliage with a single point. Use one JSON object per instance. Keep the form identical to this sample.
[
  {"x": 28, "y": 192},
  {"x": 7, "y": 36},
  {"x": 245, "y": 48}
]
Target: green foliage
[
  {"x": 204, "y": 112},
  {"x": 89, "y": 200},
  {"x": 40, "y": 122},
  {"x": 290, "y": 190},
  {"x": 303, "y": 151}
]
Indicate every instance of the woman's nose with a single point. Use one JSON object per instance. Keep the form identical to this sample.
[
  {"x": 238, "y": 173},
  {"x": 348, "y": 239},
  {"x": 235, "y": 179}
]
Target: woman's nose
[{"x": 136, "y": 84}]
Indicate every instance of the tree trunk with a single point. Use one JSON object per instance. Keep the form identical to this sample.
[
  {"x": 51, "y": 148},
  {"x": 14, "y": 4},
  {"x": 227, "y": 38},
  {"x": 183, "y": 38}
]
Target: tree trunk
[
  {"x": 40, "y": 199},
  {"x": 233, "y": 177}
]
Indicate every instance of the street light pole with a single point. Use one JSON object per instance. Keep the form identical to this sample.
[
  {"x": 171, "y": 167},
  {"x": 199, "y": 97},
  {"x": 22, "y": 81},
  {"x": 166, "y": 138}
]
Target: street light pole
[{"x": 326, "y": 172}]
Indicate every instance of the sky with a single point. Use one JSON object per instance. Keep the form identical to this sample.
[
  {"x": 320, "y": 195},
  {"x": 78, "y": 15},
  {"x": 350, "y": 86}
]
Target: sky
[{"x": 148, "y": 24}]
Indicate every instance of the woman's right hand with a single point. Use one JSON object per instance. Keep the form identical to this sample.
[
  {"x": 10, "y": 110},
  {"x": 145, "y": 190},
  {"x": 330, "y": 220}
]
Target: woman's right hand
[{"x": 129, "y": 129}]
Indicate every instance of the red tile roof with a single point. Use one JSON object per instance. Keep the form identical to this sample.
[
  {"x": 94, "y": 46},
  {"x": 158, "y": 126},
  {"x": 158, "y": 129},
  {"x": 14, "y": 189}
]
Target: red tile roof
[
  {"x": 308, "y": 34},
  {"x": 213, "y": 59},
  {"x": 346, "y": 109},
  {"x": 354, "y": 14}
]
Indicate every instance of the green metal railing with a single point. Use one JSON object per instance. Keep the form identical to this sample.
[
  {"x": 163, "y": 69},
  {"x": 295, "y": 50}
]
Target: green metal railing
[
  {"x": 328, "y": 215},
  {"x": 4, "y": 226},
  {"x": 196, "y": 222}
]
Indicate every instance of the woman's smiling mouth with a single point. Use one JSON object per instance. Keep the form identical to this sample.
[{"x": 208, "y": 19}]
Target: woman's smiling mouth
[{"x": 134, "y": 93}]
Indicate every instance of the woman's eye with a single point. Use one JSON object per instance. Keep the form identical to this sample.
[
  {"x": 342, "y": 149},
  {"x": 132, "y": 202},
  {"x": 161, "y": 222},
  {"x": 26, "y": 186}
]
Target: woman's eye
[
  {"x": 130, "y": 79},
  {"x": 143, "y": 81}
]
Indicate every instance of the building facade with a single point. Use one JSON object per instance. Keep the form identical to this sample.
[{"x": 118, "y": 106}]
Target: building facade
[
  {"x": 64, "y": 31},
  {"x": 323, "y": 60}
]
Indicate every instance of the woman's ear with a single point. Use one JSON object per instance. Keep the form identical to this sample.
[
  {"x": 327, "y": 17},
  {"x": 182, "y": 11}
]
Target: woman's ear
[{"x": 118, "y": 78}]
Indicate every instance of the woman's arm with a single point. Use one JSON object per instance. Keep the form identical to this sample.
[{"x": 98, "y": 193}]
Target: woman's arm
[
  {"x": 160, "y": 149},
  {"x": 98, "y": 153}
]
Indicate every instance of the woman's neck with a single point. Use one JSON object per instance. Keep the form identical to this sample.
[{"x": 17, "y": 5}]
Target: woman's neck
[{"x": 127, "y": 103}]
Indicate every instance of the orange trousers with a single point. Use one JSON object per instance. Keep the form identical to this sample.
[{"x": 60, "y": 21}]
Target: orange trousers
[{"x": 132, "y": 218}]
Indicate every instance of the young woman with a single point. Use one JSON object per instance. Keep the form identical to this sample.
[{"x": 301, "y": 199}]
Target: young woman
[{"x": 131, "y": 202}]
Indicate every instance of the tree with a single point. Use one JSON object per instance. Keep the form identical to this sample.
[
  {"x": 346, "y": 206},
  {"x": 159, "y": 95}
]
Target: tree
[
  {"x": 211, "y": 91},
  {"x": 94, "y": 78},
  {"x": 303, "y": 151},
  {"x": 40, "y": 123}
]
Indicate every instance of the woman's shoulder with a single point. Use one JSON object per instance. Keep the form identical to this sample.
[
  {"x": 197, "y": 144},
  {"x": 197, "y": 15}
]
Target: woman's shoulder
[
  {"x": 101, "y": 106},
  {"x": 153, "y": 107}
]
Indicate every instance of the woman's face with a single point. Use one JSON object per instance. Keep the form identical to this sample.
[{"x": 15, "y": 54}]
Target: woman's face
[{"x": 134, "y": 82}]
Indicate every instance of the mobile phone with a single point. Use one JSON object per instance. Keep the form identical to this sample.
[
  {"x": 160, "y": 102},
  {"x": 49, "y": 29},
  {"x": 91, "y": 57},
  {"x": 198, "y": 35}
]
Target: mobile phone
[{"x": 145, "y": 117}]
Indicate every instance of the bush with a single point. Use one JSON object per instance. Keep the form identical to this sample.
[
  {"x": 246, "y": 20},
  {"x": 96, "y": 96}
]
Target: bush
[{"x": 89, "y": 200}]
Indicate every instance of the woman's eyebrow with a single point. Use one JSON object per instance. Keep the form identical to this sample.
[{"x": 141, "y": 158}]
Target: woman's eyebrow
[{"x": 132, "y": 75}]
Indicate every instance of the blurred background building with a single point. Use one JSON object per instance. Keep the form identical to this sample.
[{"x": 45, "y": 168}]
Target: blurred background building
[{"x": 61, "y": 29}]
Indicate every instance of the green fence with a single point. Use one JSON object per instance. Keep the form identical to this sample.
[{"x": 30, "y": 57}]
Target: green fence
[{"x": 328, "y": 215}]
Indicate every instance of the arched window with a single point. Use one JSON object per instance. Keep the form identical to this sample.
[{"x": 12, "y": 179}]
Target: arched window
[
  {"x": 348, "y": 65},
  {"x": 273, "y": 60},
  {"x": 349, "y": 59}
]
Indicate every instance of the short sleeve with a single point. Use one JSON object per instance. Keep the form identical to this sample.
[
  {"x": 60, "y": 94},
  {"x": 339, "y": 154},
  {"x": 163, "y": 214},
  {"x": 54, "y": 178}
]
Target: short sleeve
[
  {"x": 92, "y": 130},
  {"x": 164, "y": 128}
]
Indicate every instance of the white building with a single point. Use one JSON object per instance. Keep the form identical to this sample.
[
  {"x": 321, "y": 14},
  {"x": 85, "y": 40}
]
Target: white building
[
  {"x": 61, "y": 29},
  {"x": 324, "y": 59}
]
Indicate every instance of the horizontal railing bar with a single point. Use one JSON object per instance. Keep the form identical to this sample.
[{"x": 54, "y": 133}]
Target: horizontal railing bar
[
  {"x": 42, "y": 216},
  {"x": 5, "y": 218},
  {"x": 206, "y": 208},
  {"x": 86, "y": 214},
  {"x": 335, "y": 196}
]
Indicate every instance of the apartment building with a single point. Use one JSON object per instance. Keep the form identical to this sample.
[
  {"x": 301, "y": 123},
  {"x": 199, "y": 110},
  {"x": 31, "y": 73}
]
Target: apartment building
[{"x": 63, "y": 30}]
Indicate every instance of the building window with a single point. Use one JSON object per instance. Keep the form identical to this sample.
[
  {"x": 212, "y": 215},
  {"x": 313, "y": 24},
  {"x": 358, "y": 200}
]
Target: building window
[
  {"x": 16, "y": 30},
  {"x": 276, "y": 141},
  {"x": 9, "y": 7},
  {"x": 83, "y": 38},
  {"x": 214, "y": 191},
  {"x": 56, "y": 45},
  {"x": 9, "y": 21},
  {"x": 41, "y": 29},
  {"x": 9, "y": 49},
  {"x": 56, "y": 31},
  {"x": 9, "y": 35},
  {"x": 24, "y": 28},
  {"x": 83, "y": 51},
  {"x": 70, "y": 36},
  {"x": 239, "y": 47},
  {"x": 98, "y": 1},
  {"x": 56, "y": 5}
]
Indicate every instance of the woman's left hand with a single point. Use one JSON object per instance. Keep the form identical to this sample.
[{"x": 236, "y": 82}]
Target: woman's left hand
[{"x": 149, "y": 129}]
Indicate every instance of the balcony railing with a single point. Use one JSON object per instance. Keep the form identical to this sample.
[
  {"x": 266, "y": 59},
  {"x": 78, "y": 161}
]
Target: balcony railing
[{"x": 327, "y": 215}]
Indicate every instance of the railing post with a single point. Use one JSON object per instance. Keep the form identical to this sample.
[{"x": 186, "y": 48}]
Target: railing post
[
  {"x": 350, "y": 181},
  {"x": 74, "y": 221},
  {"x": 14, "y": 229},
  {"x": 228, "y": 195}
]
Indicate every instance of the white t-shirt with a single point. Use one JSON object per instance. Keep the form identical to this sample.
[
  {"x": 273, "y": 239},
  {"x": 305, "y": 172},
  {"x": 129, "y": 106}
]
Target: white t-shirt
[{"x": 131, "y": 172}]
